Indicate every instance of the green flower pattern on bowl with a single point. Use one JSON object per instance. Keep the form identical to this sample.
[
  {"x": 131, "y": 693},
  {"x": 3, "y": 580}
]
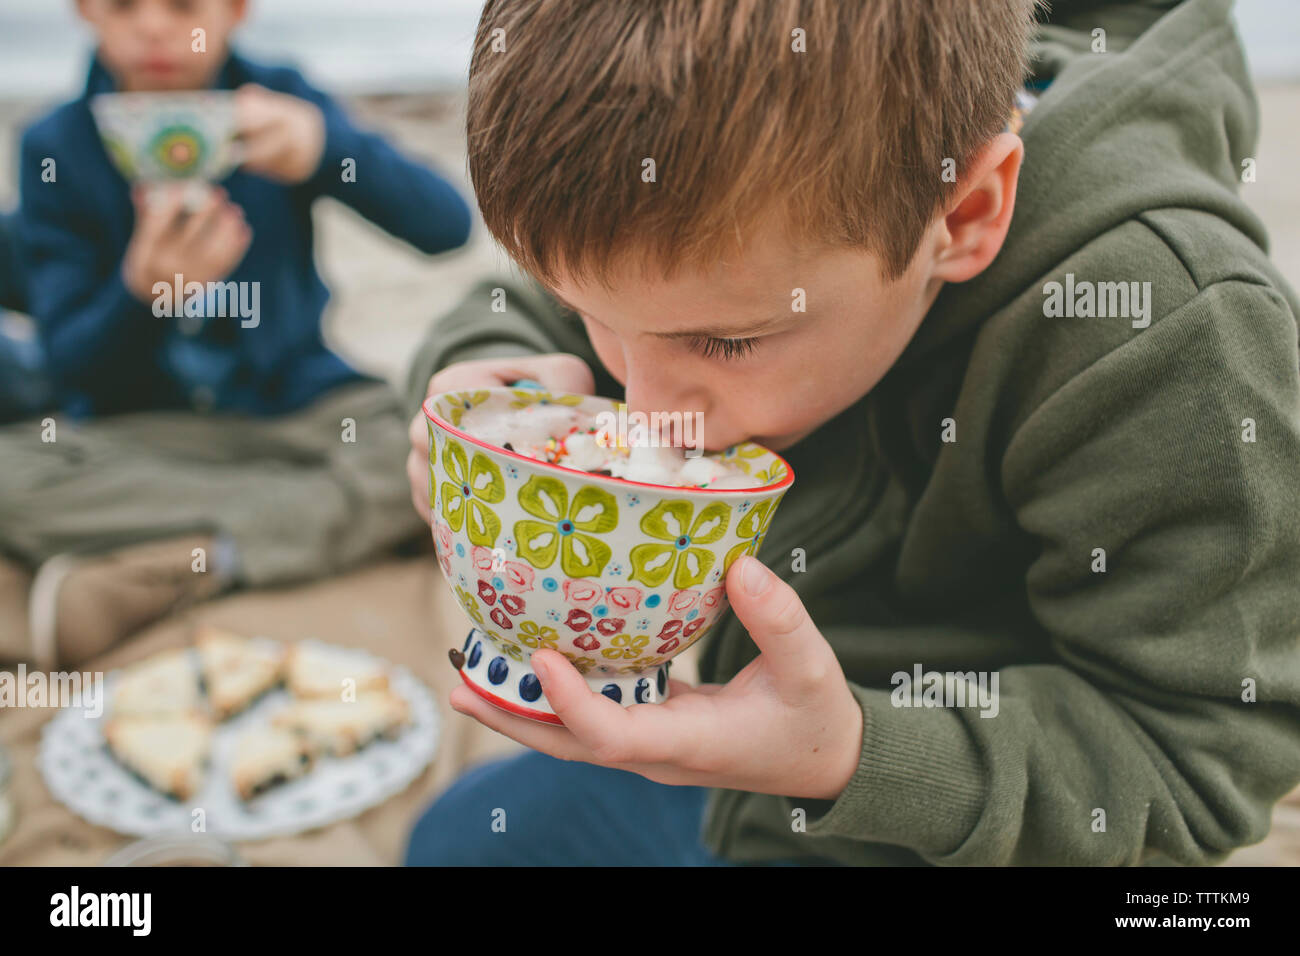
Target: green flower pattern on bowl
[
  {"x": 467, "y": 491},
  {"x": 626, "y": 647},
  {"x": 751, "y": 529},
  {"x": 528, "y": 396},
  {"x": 461, "y": 402},
  {"x": 567, "y": 528},
  {"x": 670, "y": 521},
  {"x": 468, "y": 602},
  {"x": 538, "y": 635},
  {"x": 557, "y": 566}
]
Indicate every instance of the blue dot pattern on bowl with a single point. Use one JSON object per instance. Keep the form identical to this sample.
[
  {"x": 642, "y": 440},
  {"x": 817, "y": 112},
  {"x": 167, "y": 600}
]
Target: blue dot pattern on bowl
[
  {"x": 530, "y": 688},
  {"x": 613, "y": 693},
  {"x": 662, "y": 680},
  {"x": 652, "y": 601},
  {"x": 642, "y": 691},
  {"x": 476, "y": 654},
  {"x": 498, "y": 670}
]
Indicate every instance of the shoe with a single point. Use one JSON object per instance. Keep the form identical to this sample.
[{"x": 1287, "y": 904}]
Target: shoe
[
  {"x": 15, "y": 633},
  {"x": 82, "y": 606}
]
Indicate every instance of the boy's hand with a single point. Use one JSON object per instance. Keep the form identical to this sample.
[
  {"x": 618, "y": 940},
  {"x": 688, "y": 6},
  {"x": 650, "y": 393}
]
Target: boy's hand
[
  {"x": 281, "y": 137},
  {"x": 202, "y": 246},
  {"x": 787, "y": 724},
  {"x": 559, "y": 372}
]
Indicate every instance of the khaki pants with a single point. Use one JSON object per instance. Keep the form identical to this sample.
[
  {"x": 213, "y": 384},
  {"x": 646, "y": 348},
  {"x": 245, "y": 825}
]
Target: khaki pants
[{"x": 297, "y": 499}]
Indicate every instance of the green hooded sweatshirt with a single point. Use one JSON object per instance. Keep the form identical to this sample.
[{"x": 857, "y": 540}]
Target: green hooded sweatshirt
[{"x": 1101, "y": 509}]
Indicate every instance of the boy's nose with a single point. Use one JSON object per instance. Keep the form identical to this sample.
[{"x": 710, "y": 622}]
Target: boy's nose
[{"x": 658, "y": 392}]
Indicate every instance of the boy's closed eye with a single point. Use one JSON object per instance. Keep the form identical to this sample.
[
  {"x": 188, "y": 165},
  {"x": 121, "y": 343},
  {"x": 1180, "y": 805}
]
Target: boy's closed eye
[
  {"x": 727, "y": 349},
  {"x": 704, "y": 343}
]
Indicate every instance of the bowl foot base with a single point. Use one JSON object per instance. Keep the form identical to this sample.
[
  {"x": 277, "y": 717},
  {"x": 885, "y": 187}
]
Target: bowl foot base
[{"x": 511, "y": 685}]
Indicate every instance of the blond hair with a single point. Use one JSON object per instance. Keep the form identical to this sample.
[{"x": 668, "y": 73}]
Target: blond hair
[{"x": 844, "y": 143}]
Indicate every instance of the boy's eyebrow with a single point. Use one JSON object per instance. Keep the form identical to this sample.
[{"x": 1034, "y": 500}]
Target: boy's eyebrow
[
  {"x": 703, "y": 332},
  {"x": 721, "y": 332}
]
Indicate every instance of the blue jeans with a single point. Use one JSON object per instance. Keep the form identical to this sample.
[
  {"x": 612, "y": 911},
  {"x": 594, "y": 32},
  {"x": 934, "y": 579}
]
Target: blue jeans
[
  {"x": 535, "y": 810},
  {"x": 25, "y": 387}
]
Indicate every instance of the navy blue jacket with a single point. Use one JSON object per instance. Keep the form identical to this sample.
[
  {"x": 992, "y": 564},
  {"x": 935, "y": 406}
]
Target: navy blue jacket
[{"x": 107, "y": 352}]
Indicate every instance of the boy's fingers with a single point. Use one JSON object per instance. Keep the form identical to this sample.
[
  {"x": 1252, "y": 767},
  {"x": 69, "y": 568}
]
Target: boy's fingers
[
  {"x": 597, "y": 722},
  {"x": 417, "y": 473},
  {"x": 158, "y": 213},
  {"x": 201, "y": 220},
  {"x": 228, "y": 241},
  {"x": 566, "y": 373},
  {"x": 418, "y": 433},
  {"x": 251, "y": 112},
  {"x": 226, "y": 235},
  {"x": 549, "y": 739},
  {"x": 776, "y": 619},
  {"x": 615, "y": 735}
]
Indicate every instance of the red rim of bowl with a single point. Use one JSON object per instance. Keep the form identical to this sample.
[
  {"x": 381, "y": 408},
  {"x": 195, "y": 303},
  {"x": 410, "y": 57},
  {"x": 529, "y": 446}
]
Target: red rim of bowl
[
  {"x": 592, "y": 476},
  {"x": 508, "y": 705}
]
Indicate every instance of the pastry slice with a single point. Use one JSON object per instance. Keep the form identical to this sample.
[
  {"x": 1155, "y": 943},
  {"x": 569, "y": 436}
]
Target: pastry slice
[
  {"x": 236, "y": 671},
  {"x": 166, "y": 751},
  {"x": 266, "y": 758},
  {"x": 165, "y": 683},
  {"x": 317, "y": 671},
  {"x": 341, "y": 727}
]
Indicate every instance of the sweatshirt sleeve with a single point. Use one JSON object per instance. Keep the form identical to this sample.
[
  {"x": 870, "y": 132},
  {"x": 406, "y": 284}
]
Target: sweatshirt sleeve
[
  {"x": 90, "y": 324},
  {"x": 1174, "y": 705},
  {"x": 403, "y": 197},
  {"x": 503, "y": 317}
]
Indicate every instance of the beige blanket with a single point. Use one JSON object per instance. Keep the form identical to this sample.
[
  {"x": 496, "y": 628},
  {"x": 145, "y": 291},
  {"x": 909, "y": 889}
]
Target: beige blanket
[
  {"x": 400, "y": 610},
  {"x": 403, "y": 611}
]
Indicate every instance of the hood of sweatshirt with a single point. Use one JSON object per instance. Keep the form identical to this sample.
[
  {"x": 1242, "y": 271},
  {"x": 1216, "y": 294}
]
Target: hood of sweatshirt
[{"x": 1104, "y": 122}]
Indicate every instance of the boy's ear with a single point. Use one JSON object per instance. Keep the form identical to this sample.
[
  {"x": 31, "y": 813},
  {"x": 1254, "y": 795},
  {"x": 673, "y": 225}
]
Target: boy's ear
[{"x": 979, "y": 213}]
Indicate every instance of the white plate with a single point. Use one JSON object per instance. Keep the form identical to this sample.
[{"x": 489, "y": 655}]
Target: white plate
[{"x": 80, "y": 773}]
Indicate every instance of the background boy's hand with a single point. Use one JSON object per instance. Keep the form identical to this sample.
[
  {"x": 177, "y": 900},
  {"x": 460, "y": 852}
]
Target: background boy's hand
[
  {"x": 281, "y": 137},
  {"x": 559, "y": 372},
  {"x": 204, "y": 245},
  {"x": 787, "y": 724}
]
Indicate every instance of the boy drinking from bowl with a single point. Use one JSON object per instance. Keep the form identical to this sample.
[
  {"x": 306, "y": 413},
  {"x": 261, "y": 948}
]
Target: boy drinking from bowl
[
  {"x": 238, "y": 446},
  {"x": 797, "y": 218}
]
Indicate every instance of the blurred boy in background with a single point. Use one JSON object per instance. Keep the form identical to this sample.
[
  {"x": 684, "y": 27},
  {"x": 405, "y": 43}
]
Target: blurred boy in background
[{"x": 180, "y": 456}]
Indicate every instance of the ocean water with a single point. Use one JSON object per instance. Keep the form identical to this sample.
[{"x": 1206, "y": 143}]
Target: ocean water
[
  {"x": 356, "y": 46},
  {"x": 361, "y": 46}
]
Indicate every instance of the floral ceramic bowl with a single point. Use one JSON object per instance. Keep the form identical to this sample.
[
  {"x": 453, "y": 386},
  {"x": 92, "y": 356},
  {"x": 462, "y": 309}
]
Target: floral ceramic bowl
[
  {"x": 618, "y": 576},
  {"x": 155, "y": 138}
]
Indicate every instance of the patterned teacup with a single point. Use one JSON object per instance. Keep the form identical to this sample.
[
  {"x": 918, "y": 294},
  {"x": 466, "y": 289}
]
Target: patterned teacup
[
  {"x": 158, "y": 138},
  {"x": 618, "y": 576}
]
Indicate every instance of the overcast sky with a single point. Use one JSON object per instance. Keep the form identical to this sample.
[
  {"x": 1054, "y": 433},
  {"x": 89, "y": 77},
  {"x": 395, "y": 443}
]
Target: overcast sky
[{"x": 396, "y": 45}]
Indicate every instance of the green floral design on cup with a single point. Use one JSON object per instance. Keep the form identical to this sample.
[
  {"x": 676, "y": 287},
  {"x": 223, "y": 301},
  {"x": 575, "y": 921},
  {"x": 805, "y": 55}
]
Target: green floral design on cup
[
  {"x": 534, "y": 635},
  {"x": 465, "y": 492},
  {"x": 507, "y": 646},
  {"x": 626, "y": 647},
  {"x": 668, "y": 521},
  {"x": 531, "y": 396},
  {"x": 458, "y": 404},
  {"x": 470, "y": 605},
  {"x": 583, "y": 664},
  {"x": 740, "y": 456},
  {"x": 566, "y": 528},
  {"x": 751, "y": 530}
]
